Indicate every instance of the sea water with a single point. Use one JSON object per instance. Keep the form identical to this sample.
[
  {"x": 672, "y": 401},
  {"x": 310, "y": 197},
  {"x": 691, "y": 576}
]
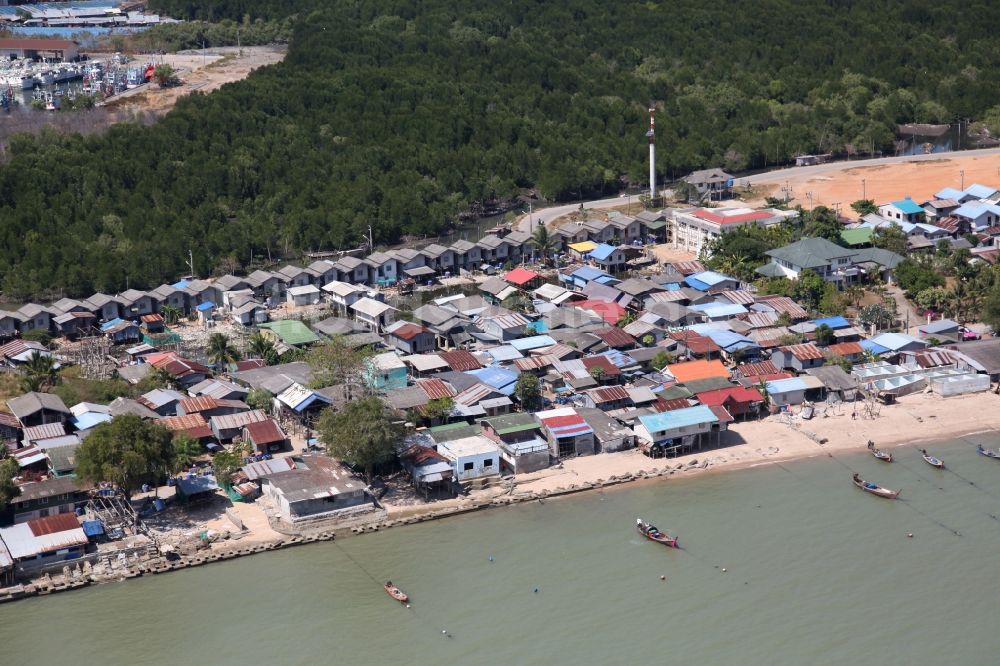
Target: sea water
[{"x": 781, "y": 564}]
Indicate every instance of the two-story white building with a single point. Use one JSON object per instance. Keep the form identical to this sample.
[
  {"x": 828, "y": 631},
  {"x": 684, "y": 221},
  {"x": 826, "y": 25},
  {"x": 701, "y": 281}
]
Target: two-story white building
[
  {"x": 830, "y": 261},
  {"x": 692, "y": 229},
  {"x": 903, "y": 210}
]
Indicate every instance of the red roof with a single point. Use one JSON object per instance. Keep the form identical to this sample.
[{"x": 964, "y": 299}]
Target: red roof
[
  {"x": 611, "y": 312},
  {"x": 248, "y": 364},
  {"x": 846, "y": 349},
  {"x": 409, "y": 331},
  {"x": 264, "y": 432},
  {"x": 520, "y": 276},
  {"x": 460, "y": 360},
  {"x": 757, "y": 379},
  {"x": 688, "y": 267},
  {"x": 731, "y": 219},
  {"x": 603, "y": 362},
  {"x": 803, "y": 352},
  {"x": 9, "y": 420},
  {"x": 151, "y": 318},
  {"x": 419, "y": 455},
  {"x": 184, "y": 422},
  {"x": 721, "y": 414},
  {"x": 60, "y": 522},
  {"x": 738, "y": 394},
  {"x": 202, "y": 403},
  {"x": 698, "y": 344},
  {"x": 755, "y": 369},
  {"x": 177, "y": 366},
  {"x": 436, "y": 388},
  {"x": 662, "y": 405},
  {"x": 615, "y": 337}
]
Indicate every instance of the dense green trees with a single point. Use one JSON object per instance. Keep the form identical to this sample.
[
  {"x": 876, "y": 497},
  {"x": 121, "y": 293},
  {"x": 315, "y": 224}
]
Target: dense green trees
[
  {"x": 128, "y": 452},
  {"x": 362, "y": 434},
  {"x": 402, "y": 114}
]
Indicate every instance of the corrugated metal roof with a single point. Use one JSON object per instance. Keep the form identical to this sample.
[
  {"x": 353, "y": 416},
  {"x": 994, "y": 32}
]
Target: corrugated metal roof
[
  {"x": 803, "y": 352},
  {"x": 256, "y": 470},
  {"x": 755, "y": 369},
  {"x": 436, "y": 388},
  {"x": 22, "y": 542},
  {"x": 202, "y": 403},
  {"x": 678, "y": 418},
  {"x": 846, "y": 349},
  {"x": 460, "y": 360},
  {"x": 44, "y": 431},
  {"x": 615, "y": 337},
  {"x": 473, "y": 394},
  {"x": 533, "y": 362},
  {"x": 185, "y": 422},
  {"x": 607, "y": 394},
  {"x": 233, "y": 421},
  {"x": 739, "y": 296},
  {"x": 264, "y": 432}
]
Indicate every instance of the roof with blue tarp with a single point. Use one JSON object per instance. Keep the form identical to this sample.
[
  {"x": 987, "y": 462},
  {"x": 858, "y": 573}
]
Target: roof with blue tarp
[
  {"x": 111, "y": 324},
  {"x": 602, "y": 251},
  {"x": 533, "y": 342},
  {"x": 607, "y": 279},
  {"x": 497, "y": 378},
  {"x": 180, "y": 284},
  {"x": 678, "y": 418},
  {"x": 204, "y": 307},
  {"x": 92, "y": 528},
  {"x": 833, "y": 322},
  {"x": 537, "y": 326},
  {"x": 706, "y": 279}
]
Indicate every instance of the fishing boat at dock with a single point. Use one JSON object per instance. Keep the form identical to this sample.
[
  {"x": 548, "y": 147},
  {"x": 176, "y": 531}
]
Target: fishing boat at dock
[
  {"x": 875, "y": 489},
  {"x": 653, "y": 534},
  {"x": 395, "y": 592},
  {"x": 931, "y": 460},
  {"x": 884, "y": 456},
  {"x": 989, "y": 453}
]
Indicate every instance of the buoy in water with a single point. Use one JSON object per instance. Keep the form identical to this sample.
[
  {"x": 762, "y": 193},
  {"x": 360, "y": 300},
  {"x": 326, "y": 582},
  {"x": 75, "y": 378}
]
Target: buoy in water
[
  {"x": 723, "y": 569},
  {"x": 909, "y": 535},
  {"x": 444, "y": 631},
  {"x": 491, "y": 558},
  {"x": 663, "y": 577},
  {"x": 536, "y": 590}
]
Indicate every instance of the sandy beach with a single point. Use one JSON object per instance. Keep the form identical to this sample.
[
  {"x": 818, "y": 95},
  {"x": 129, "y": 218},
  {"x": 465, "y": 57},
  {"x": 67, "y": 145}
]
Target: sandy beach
[{"x": 914, "y": 419}]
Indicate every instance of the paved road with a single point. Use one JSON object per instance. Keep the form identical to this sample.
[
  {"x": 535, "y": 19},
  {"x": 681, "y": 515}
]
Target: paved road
[{"x": 546, "y": 215}]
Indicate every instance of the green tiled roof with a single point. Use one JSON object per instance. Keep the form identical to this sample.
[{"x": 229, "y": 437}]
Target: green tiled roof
[
  {"x": 291, "y": 331},
  {"x": 858, "y": 236}
]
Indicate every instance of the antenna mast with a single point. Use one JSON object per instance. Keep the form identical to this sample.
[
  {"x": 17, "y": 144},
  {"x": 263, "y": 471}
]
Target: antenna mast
[{"x": 651, "y": 135}]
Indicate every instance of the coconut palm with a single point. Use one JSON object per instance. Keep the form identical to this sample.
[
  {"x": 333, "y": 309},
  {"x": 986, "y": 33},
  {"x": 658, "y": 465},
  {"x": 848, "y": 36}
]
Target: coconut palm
[
  {"x": 543, "y": 243},
  {"x": 40, "y": 371},
  {"x": 219, "y": 351},
  {"x": 261, "y": 347}
]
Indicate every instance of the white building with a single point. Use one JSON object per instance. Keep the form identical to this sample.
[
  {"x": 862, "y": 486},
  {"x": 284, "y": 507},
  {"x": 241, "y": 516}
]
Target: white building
[
  {"x": 694, "y": 228},
  {"x": 307, "y": 294},
  {"x": 473, "y": 457}
]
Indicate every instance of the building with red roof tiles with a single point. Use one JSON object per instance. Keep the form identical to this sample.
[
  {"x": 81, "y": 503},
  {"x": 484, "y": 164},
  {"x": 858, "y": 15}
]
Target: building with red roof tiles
[
  {"x": 522, "y": 277},
  {"x": 609, "y": 312},
  {"x": 739, "y": 401}
]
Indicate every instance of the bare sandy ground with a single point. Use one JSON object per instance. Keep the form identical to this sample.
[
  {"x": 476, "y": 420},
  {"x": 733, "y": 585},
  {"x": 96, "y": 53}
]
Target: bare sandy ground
[
  {"x": 920, "y": 179},
  {"x": 202, "y": 71}
]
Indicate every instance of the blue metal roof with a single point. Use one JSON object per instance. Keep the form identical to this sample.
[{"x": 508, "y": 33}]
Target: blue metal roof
[
  {"x": 204, "y": 307},
  {"x": 980, "y": 191},
  {"x": 895, "y": 341},
  {"x": 908, "y": 206},
  {"x": 588, "y": 273},
  {"x": 92, "y": 528},
  {"x": 533, "y": 342},
  {"x": 976, "y": 209},
  {"x": 498, "y": 378},
  {"x": 88, "y": 420},
  {"x": 949, "y": 193},
  {"x": 111, "y": 324},
  {"x": 678, "y": 418},
  {"x": 833, "y": 322},
  {"x": 785, "y": 385},
  {"x": 873, "y": 347},
  {"x": 711, "y": 278},
  {"x": 504, "y": 353},
  {"x": 730, "y": 340},
  {"x": 180, "y": 284},
  {"x": 602, "y": 251},
  {"x": 719, "y": 309}
]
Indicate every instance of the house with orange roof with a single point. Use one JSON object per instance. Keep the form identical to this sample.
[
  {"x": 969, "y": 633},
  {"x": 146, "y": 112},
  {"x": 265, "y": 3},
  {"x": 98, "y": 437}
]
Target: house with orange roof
[{"x": 698, "y": 369}]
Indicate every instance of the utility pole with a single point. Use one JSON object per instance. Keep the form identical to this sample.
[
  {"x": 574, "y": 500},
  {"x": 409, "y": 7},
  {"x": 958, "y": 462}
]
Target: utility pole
[
  {"x": 191, "y": 261},
  {"x": 651, "y": 134},
  {"x": 962, "y": 174},
  {"x": 371, "y": 243},
  {"x": 864, "y": 190}
]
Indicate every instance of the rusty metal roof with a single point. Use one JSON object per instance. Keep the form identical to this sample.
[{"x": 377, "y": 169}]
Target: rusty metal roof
[
  {"x": 460, "y": 360},
  {"x": 607, "y": 394},
  {"x": 755, "y": 369},
  {"x": 185, "y": 422},
  {"x": 804, "y": 352},
  {"x": 615, "y": 337},
  {"x": 436, "y": 388}
]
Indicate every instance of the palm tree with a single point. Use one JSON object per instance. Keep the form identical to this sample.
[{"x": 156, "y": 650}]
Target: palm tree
[
  {"x": 261, "y": 347},
  {"x": 171, "y": 314},
  {"x": 543, "y": 243},
  {"x": 41, "y": 371},
  {"x": 219, "y": 351}
]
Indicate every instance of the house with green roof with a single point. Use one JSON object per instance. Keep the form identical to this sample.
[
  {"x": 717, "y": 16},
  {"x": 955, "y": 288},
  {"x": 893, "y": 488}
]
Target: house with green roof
[
  {"x": 832, "y": 262},
  {"x": 857, "y": 237},
  {"x": 291, "y": 332}
]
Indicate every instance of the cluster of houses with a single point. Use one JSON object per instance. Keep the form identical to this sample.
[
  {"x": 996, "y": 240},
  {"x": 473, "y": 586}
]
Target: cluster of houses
[
  {"x": 610, "y": 243},
  {"x": 662, "y": 360}
]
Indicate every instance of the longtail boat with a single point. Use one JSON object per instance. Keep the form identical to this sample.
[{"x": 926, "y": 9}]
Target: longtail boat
[
  {"x": 653, "y": 534},
  {"x": 395, "y": 592},
  {"x": 987, "y": 452},
  {"x": 884, "y": 456},
  {"x": 875, "y": 489},
  {"x": 931, "y": 460}
]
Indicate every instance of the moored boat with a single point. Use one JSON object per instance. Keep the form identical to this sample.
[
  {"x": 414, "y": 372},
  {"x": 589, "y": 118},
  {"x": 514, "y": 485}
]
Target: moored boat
[
  {"x": 931, "y": 460},
  {"x": 884, "y": 456},
  {"x": 875, "y": 489},
  {"x": 987, "y": 452},
  {"x": 653, "y": 534},
  {"x": 395, "y": 592}
]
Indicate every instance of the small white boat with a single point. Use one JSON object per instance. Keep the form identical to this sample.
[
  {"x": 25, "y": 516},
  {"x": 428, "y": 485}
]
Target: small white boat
[{"x": 931, "y": 460}]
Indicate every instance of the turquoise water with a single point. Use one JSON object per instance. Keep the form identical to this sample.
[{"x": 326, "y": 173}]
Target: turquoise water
[{"x": 817, "y": 572}]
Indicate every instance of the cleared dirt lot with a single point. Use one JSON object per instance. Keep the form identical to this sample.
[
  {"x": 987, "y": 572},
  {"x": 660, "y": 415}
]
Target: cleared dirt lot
[
  {"x": 884, "y": 180},
  {"x": 203, "y": 71}
]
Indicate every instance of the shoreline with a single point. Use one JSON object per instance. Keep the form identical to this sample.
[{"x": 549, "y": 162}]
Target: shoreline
[{"x": 774, "y": 439}]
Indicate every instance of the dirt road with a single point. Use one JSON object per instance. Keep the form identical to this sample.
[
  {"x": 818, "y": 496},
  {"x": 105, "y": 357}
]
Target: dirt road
[{"x": 203, "y": 71}]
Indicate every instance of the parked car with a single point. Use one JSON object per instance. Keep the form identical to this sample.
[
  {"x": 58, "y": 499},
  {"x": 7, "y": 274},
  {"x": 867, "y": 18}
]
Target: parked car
[{"x": 967, "y": 334}]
